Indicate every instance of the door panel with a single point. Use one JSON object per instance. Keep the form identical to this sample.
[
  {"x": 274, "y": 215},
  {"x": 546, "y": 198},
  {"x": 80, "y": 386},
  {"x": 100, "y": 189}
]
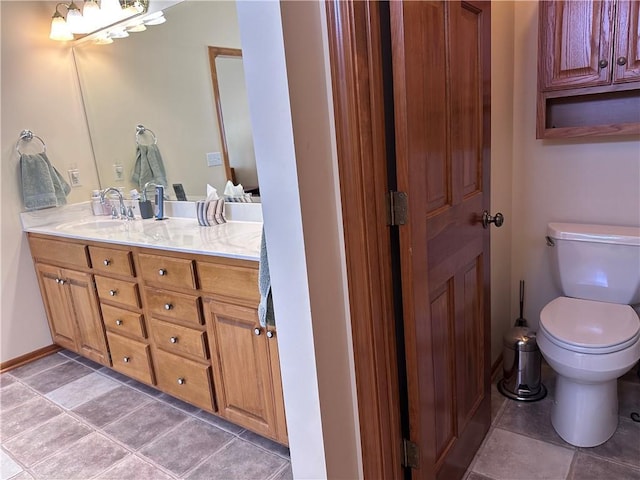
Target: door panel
[
  {"x": 57, "y": 306},
  {"x": 627, "y": 42},
  {"x": 441, "y": 67}
]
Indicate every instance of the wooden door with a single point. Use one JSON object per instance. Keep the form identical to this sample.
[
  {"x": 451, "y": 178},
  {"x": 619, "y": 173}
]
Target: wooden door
[
  {"x": 90, "y": 340},
  {"x": 241, "y": 366},
  {"x": 626, "y": 54},
  {"x": 441, "y": 92},
  {"x": 56, "y": 304},
  {"x": 577, "y": 38}
]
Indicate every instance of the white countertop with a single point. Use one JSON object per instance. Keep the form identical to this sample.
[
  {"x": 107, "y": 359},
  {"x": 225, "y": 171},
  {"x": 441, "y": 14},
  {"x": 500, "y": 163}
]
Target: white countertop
[{"x": 234, "y": 239}]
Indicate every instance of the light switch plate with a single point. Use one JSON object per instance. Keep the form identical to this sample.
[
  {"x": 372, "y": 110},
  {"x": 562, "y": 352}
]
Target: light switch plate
[
  {"x": 118, "y": 173},
  {"x": 214, "y": 159},
  {"x": 74, "y": 177}
]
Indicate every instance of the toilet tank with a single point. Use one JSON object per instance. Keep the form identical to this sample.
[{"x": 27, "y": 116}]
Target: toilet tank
[{"x": 597, "y": 262}]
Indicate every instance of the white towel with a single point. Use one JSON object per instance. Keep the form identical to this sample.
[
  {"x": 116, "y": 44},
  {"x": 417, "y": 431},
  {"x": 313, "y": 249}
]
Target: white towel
[
  {"x": 266, "y": 314},
  {"x": 42, "y": 184}
]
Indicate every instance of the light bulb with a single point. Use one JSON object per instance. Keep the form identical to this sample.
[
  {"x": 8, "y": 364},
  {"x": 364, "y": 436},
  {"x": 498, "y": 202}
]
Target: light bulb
[
  {"x": 59, "y": 29},
  {"x": 91, "y": 14},
  {"x": 74, "y": 19}
]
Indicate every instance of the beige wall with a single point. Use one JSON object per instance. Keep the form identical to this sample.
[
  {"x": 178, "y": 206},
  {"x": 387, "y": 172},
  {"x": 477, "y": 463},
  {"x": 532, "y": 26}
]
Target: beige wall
[
  {"x": 40, "y": 93},
  {"x": 502, "y": 53}
]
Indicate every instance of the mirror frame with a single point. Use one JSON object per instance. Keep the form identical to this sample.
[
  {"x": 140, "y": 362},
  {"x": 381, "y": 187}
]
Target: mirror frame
[{"x": 215, "y": 52}]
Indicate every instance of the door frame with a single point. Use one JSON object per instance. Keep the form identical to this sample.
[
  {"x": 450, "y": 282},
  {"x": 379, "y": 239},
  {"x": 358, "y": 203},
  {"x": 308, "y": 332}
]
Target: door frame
[{"x": 356, "y": 73}]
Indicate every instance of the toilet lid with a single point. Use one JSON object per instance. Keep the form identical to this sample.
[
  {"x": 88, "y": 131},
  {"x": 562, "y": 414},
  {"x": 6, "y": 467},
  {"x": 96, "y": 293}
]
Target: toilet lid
[{"x": 587, "y": 325}]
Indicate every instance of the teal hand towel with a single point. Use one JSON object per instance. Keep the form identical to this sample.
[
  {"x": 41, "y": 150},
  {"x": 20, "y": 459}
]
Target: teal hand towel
[
  {"x": 149, "y": 166},
  {"x": 266, "y": 314},
  {"x": 42, "y": 184}
]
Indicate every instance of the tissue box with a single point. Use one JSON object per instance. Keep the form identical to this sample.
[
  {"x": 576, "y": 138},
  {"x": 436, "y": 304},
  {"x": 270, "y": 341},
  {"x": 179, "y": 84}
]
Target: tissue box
[{"x": 210, "y": 212}]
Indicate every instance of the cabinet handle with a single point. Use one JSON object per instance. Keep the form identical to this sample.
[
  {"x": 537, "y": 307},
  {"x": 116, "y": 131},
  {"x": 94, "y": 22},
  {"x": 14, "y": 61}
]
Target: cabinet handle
[
  {"x": 257, "y": 331},
  {"x": 57, "y": 280},
  {"x": 168, "y": 306},
  {"x": 113, "y": 293},
  {"x": 181, "y": 381},
  {"x": 119, "y": 322},
  {"x": 162, "y": 272},
  {"x": 106, "y": 262},
  {"x": 62, "y": 281},
  {"x": 126, "y": 359},
  {"x": 603, "y": 63},
  {"x": 621, "y": 61},
  {"x": 269, "y": 334},
  {"x": 173, "y": 339}
]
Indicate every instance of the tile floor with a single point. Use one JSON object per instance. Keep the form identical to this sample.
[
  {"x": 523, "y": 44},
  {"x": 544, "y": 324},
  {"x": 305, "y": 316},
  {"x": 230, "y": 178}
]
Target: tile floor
[
  {"x": 65, "y": 417},
  {"x": 522, "y": 444}
]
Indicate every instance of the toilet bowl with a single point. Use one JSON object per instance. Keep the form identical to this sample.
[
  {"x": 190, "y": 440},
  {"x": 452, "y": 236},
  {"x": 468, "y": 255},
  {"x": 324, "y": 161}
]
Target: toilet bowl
[
  {"x": 590, "y": 336},
  {"x": 588, "y": 358}
]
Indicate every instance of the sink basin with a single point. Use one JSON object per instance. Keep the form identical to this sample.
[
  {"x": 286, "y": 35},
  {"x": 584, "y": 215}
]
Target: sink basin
[{"x": 91, "y": 224}]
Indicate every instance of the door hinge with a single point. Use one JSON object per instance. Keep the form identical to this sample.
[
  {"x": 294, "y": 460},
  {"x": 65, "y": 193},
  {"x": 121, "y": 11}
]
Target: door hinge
[
  {"x": 396, "y": 208},
  {"x": 410, "y": 454}
]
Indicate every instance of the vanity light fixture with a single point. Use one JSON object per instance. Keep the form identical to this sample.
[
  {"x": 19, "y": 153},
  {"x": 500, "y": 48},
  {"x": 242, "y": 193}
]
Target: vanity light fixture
[{"x": 97, "y": 15}]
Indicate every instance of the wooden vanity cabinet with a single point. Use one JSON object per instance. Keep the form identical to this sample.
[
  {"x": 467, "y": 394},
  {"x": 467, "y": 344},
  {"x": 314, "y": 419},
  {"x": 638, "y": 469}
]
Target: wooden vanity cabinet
[
  {"x": 186, "y": 324},
  {"x": 70, "y": 298},
  {"x": 246, "y": 365},
  {"x": 588, "y": 68}
]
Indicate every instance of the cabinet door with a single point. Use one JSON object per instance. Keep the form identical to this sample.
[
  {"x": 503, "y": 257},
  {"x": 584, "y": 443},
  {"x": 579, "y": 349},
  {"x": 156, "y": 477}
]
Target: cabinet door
[
  {"x": 241, "y": 367},
  {"x": 576, "y": 43},
  {"x": 90, "y": 340},
  {"x": 56, "y": 304},
  {"x": 627, "y": 48}
]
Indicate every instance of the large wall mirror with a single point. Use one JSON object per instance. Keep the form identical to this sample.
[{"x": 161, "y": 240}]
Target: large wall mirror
[{"x": 161, "y": 78}]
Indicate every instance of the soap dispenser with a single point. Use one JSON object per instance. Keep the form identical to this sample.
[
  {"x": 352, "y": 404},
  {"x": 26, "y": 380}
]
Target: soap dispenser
[{"x": 160, "y": 202}]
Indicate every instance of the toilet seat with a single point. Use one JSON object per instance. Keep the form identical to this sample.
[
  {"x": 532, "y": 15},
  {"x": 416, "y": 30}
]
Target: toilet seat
[{"x": 587, "y": 326}]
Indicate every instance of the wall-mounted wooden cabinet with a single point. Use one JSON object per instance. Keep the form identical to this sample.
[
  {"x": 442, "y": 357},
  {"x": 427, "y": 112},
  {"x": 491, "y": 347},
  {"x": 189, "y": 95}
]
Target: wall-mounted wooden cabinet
[{"x": 588, "y": 68}]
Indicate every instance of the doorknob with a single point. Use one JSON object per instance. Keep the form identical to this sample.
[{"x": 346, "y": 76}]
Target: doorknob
[{"x": 487, "y": 219}]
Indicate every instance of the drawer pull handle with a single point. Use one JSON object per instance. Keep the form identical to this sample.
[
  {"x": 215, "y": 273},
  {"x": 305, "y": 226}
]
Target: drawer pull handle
[
  {"x": 257, "y": 331},
  {"x": 62, "y": 281},
  {"x": 168, "y": 306},
  {"x": 173, "y": 339},
  {"x": 269, "y": 334},
  {"x": 181, "y": 381},
  {"x": 126, "y": 359},
  {"x": 119, "y": 322},
  {"x": 113, "y": 293},
  {"x": 162, "y": 272},
  {"x": 107, "y": 262}
]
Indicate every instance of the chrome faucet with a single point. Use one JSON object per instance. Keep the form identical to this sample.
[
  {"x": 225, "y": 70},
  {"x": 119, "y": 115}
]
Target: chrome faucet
[{"x": 123, "y": 210}]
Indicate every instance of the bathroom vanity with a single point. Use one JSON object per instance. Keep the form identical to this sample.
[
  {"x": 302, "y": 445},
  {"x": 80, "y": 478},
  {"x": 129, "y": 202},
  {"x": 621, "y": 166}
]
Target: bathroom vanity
[{"x": 170, "y": 304}]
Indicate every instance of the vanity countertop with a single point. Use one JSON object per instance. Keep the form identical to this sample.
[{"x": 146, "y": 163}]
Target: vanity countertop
[{"x": 234, "y": 239}]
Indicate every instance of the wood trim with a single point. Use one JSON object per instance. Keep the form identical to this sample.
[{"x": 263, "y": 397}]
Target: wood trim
[
  {"x": 28, "y": 357},
  {"x": 356, "y": 70}
]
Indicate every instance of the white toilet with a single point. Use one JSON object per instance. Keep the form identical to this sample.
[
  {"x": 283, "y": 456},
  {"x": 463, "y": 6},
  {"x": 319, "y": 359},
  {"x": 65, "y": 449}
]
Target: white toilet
[{"x": 591, "y": 336}]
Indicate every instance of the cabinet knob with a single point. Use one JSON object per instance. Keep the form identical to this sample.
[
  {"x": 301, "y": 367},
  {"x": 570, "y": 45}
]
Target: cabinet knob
[
  {"x": 257, "y": 331},
  {"x": 113, "y": 293},
  {"x": 181, "y": 381},
  {"x": 62, "y": 281},
  {"x": 269, "y": 334},
  {"x": 162, "y": 272},
  {"x": 57, "y": 280},
  {"x": 119, "y": 322},
  {"x": 621, "y": 61},
  {"x": 126, "y": 359},
  {"x": 173, "y": 339},
  {"x": 603, "y": 63},
  {"x": 168, "y": 306},
  {"x": 106, "y": 262}
]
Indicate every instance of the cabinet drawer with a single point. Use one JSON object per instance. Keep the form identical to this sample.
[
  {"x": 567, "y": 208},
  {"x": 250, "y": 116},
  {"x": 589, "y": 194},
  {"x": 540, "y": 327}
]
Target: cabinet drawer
[
  {"x": 229, "y": 280},
  {"x": 108, "y": 260},
  {"x": 167, "y": 271},
  {"x": 123, "y": 321},
  {"x": 119, "y": 291},
  {"x": 130, "y": 357},
  {"x": 59, "y": 252},
  {"x": 177, "y": 339},
  {"x": 185, "y": 379},
  {"x": 174, "y": 305}
]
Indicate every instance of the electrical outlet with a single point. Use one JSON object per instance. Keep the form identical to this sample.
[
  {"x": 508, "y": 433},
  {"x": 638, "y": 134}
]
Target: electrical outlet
[
  {"x": 214, "y": 159},
  {"x": 74, "y": 177},
  {"x": 118, "y": 173}
]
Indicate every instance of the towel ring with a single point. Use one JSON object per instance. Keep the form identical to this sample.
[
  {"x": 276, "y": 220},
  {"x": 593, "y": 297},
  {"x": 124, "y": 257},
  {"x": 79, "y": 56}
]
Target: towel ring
[
  {"x": 141, "y": 130},
  {"x": 27, "y": 136}
]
